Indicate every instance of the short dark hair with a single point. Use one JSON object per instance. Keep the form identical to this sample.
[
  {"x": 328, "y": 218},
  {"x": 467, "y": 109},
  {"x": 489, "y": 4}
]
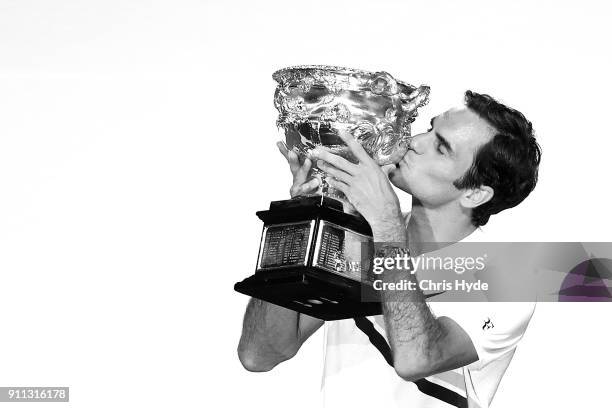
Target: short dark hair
[{"x": 508, "y": 163}]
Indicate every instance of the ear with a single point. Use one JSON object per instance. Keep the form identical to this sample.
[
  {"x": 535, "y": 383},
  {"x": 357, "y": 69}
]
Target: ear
[{"x": 474, "y": 197}]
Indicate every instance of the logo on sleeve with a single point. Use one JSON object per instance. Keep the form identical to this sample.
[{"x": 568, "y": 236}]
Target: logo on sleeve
[{"x": 488, "y": 324}]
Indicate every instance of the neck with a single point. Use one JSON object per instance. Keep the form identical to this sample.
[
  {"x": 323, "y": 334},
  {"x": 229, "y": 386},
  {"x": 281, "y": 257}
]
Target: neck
[{"x": 448, "y": 223}]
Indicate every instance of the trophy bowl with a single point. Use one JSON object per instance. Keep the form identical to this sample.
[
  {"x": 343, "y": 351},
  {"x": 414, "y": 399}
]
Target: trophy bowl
[{"x": 318, "y": 103}]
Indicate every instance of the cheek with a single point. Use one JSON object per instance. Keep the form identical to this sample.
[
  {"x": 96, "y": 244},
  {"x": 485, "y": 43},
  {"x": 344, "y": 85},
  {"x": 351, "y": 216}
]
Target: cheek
[
  {"x": 433, "y": 182},
  {"x": 438, "y": 172}
]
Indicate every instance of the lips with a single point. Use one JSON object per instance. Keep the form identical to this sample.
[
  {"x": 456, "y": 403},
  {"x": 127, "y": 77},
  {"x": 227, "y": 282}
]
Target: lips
[
  {"x": 409, "y": 151},
  {"x": 403, "y": 162}
]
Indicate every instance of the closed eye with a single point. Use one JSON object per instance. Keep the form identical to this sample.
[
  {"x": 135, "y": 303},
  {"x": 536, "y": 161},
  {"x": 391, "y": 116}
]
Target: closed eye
[
  {"x": 442, "y": 142},
  {"x": 439, "y": 145}
]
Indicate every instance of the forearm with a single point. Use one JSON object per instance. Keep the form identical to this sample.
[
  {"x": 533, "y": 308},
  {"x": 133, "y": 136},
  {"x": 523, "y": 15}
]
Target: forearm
[
  {"x": 413, "y": 332},
  {"x": 415, "y": 335},
  {"x": 270, "y": 335}
]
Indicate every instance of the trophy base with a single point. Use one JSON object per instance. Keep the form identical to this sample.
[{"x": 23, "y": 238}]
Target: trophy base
[
  {"x": 313, "y": 292},
  {"x": 313, "y": 259}
]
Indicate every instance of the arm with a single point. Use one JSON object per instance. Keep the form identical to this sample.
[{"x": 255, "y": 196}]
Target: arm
[
  {"x": 421, "y": 344},
  {"x": 272, "y": 334}
]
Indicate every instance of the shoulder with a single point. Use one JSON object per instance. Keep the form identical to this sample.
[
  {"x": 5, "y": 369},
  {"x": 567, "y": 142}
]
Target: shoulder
[{"x": 494, "y": 328}]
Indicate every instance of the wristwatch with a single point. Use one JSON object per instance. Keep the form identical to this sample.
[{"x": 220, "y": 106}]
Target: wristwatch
[{"x": 391, "y": 251}]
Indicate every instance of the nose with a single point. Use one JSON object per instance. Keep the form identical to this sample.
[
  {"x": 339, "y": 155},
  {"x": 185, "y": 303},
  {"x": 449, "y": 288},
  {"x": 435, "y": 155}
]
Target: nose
[{"x": 416, "y": 143}]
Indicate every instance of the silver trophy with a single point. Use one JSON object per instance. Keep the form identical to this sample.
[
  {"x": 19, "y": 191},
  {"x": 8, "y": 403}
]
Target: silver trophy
[
  {"x": 313, "y": 256},
  {"x": 317, "y": 103}
]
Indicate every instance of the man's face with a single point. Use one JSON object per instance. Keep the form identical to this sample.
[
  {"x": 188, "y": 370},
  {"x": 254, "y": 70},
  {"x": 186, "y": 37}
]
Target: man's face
[{"x": 440, "y": 156}]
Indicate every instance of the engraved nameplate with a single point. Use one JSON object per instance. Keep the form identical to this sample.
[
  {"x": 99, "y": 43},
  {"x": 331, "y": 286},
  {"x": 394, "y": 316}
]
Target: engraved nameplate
[
  {"x": 338, "y": 250},
  {"x": 285, "y": 245}
]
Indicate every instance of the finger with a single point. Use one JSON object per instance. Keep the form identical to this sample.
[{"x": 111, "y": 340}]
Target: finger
[
  {"x": 290, "y": 155},
  {"x": 305, "y": 188},
  {"x": 304, "y": 169},
  {"x": 310, "y": 185},
  {"x": 356, "y": 148},
  {"x": 339, "y": 185},
  {"x": 294, "y": 162},
  {"x": 337, "y": 161},
  {"x": 388, "y": 168},
  {"x": 337, "y": 173},
  {"x": 282, "y": 147}
]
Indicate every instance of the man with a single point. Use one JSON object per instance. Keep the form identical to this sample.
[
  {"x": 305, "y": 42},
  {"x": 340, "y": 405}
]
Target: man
[{"x": 473, "y": 162}]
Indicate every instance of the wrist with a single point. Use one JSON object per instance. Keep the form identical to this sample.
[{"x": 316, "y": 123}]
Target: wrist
[
  {"x": 398, "y": 238},
  {"x": 391, "y": 230}
]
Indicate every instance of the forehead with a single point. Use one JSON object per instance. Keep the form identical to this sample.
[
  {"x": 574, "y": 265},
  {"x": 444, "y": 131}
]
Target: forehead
[{"x": 464, "y": 128}]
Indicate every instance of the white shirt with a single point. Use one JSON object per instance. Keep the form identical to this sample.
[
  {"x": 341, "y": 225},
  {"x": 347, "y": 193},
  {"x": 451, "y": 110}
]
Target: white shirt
[{"x": 356, "y": 374}]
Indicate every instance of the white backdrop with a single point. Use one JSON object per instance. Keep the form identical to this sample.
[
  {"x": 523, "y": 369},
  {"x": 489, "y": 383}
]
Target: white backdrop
[{"x": 137, "y": 142}]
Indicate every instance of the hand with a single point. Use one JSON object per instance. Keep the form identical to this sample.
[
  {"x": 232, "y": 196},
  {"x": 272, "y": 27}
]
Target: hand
[
  {"x": 301, "y": 185},
  {"x": 367, "y": 187}
]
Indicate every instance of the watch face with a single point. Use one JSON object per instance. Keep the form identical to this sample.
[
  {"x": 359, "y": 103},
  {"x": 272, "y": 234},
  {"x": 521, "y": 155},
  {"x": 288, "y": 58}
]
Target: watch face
[
  {"x": 393, "y": 249},
  {"x": 391, "y": 252}
]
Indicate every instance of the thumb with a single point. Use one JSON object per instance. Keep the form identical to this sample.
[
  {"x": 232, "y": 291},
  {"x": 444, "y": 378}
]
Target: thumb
[{"x": 387, "y": 168}]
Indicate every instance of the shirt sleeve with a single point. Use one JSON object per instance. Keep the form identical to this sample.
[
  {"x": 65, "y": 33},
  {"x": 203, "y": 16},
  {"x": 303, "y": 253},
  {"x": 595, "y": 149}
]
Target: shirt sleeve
[{"x": 495, "y": 328}]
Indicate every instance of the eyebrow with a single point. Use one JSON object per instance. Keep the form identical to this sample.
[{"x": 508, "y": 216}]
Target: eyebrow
[{"x": 441, "y": 138}]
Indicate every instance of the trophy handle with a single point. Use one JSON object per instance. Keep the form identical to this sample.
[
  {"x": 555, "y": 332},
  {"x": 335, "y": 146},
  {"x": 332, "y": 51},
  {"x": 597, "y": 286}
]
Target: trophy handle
[{"x": 417, "y": 99}]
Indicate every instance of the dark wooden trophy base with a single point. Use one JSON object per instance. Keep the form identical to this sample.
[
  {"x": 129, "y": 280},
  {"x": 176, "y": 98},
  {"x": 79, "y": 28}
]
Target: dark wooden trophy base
[{"x": 301, "y": 264}]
